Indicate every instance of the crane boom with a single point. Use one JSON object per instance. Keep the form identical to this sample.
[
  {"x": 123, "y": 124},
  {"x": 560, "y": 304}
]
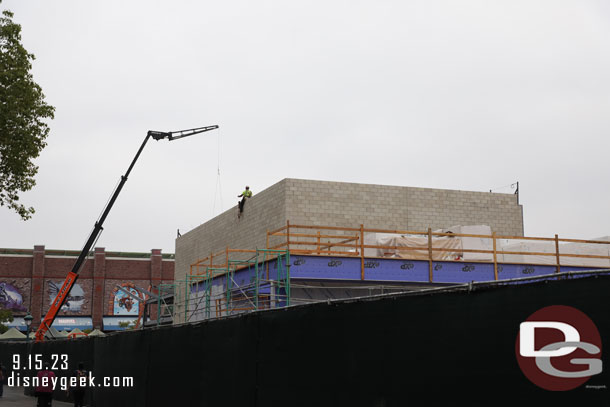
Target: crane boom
[{"x": 63, "y": 292}]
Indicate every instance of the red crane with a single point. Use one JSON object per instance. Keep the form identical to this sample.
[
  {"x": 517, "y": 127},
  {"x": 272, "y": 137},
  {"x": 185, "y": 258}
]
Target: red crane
[{"x": 63, "y": 292}]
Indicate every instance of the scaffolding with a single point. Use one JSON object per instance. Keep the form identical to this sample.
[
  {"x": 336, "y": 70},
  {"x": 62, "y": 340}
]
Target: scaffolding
[
  {"x": 260, "y": 281},
  {"x": 164, "y": 302},
  {"x": 236, "y": 281}
]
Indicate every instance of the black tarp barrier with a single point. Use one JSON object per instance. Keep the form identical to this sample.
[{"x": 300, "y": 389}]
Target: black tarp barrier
[{"x": 452, "y": 348}]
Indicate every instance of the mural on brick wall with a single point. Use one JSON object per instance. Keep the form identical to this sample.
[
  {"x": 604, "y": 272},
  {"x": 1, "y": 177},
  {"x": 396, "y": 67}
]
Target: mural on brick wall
[
  {"x": 14, "y": 294},
  {"x": 124, "y": 304},
  {"x": 76, "y": 303}
]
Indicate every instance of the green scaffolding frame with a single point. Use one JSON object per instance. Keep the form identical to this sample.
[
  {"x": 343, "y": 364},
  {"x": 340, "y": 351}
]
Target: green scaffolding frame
[{"x": 264, "y": 290}]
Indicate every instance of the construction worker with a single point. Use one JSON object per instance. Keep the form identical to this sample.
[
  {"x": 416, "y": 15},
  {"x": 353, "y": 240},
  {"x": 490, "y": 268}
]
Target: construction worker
[{"x": 244, "y": 195}]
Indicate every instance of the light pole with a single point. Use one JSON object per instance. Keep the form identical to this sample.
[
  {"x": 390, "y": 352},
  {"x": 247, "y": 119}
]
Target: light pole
[{"x": 28, "y": 322}]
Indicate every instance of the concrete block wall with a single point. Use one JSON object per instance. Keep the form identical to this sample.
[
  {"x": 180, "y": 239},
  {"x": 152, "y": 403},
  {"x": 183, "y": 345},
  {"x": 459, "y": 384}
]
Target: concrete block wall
[
  {"x": 394, "y": 207},
  {"x": 266, "y": 210},
  {"x": 347, "y": 205},
  {"x": 437, "y": 208}
]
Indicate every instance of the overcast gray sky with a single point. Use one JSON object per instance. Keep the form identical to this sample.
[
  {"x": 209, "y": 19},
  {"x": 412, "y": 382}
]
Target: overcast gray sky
[{"x": 471, "y": 95}]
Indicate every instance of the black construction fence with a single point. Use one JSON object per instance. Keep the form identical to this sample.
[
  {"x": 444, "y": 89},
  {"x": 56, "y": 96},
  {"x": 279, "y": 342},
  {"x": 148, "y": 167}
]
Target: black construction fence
[{"x": 443, "y": 349}]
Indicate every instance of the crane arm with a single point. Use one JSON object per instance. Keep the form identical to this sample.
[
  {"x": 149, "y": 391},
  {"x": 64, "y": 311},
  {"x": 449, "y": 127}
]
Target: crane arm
[{"x": 63, "y": 292}]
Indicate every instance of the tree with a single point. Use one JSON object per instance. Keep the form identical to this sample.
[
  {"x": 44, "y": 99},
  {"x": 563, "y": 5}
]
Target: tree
[
  {"x": 5, "y": 316},
  {"x": 22, "y": 114},
  {"x": 128, "y": 325}
]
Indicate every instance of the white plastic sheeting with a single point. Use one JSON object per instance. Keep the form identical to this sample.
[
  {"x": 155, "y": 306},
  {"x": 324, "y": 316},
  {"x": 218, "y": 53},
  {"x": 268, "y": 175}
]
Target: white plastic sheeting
[
  {"x": 565, "y": 249},
  {"x": 454, "y": 247},
  {"x": 473, "y": 243}
]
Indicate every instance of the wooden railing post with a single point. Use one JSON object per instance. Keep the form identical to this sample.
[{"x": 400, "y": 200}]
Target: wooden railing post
[
  {"x": 557, "y": 254},
  {"x": 318, "y": 241},
  {"x": 493, "y": 237},
  {"x": 361, "y": 252},
  {"x": 430, "y": 276},
  {"x": 266, "y": 263},
  {"x": 287, "y": 235}
]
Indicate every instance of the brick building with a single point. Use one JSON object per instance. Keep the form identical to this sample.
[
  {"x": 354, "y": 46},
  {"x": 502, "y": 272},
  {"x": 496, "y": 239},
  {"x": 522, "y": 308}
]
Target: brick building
[
  {"x": 346, "y": 205},
  {"x": 29, "y": 280}
]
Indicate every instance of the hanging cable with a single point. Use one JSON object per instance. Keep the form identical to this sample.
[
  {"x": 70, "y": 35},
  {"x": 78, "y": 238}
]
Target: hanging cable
[
  {"x": 218, "y": 171},
  {"x": 217, "y": 189}
]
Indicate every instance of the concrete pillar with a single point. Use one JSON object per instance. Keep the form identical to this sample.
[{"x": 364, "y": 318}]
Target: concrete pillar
[
  {"x": 38, "y": 288},
  {"x": 99, "y": 282}
]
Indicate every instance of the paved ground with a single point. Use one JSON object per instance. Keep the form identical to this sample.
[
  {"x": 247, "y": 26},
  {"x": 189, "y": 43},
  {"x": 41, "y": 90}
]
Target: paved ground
[{"x": 14, "y": 397}]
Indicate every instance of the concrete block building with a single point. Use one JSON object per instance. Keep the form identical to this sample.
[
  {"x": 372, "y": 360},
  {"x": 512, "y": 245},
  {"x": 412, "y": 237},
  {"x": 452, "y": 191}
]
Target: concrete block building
[{"x": 341, "y": 204}]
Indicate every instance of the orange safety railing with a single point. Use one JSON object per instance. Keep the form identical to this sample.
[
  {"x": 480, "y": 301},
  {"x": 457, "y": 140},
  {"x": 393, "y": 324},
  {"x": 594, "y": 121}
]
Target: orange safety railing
[
  {"x": 215, "y": 261},
  {"x": 349, "y": 241}
]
